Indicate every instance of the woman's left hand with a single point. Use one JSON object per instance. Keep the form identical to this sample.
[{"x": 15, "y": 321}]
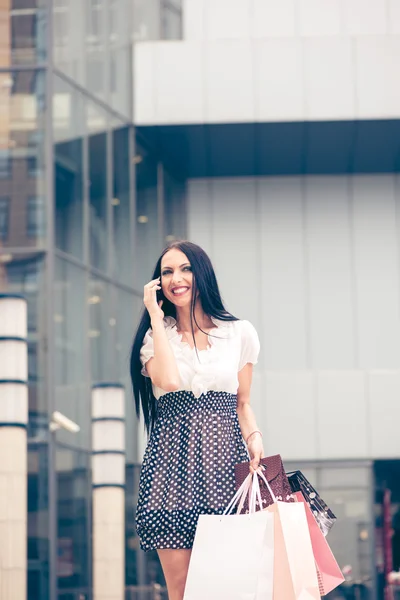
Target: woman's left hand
[{"x": 256, "y": 451}]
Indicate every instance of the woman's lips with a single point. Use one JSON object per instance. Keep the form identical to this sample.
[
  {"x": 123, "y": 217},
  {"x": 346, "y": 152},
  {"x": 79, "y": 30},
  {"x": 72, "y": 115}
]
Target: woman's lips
[{"x": 179, "y": 291}]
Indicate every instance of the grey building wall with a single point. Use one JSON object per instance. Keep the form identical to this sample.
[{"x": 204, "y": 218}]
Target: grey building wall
[
  {"x": 260, "y": 60},
  {"x": 314, "y": 263}
]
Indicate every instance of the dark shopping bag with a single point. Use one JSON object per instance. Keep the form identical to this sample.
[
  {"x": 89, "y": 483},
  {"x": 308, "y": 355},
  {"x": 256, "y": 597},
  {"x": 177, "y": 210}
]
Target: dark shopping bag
[
  {"x": 320, "y": 510},
  {"x": 274, "y": 472}
]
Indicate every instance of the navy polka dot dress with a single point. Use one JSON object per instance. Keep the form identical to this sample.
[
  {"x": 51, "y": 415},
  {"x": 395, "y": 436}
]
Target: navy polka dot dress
[{"x": 188, "y": 466}]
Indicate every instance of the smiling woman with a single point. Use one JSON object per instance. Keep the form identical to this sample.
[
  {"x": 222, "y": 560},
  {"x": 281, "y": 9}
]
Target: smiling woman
[{"x": 191, "y": 369}]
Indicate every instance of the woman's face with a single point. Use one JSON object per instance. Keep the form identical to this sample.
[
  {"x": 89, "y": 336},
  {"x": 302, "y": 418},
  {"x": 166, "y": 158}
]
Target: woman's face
[{"x": 176, "y": 277}]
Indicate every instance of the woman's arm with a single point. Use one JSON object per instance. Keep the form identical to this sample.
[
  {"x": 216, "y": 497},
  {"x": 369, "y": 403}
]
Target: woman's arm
[
  {"x": 162, "y": 368},
  {"x": 246, "y": 417}
]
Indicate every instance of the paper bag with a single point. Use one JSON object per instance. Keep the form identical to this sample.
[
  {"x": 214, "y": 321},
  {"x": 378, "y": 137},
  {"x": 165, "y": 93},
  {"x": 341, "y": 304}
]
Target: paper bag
[
  {"x": 232, "y": 557},
  {"x": 295, "y": 574},
  {"x": 328, "y": 571}
]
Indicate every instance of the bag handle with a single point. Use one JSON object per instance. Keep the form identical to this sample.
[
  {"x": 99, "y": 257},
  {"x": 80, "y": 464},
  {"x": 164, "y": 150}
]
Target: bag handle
[
  {"x": 242, "y": 491},
  {"x": 261, "y": 474},
  {"x": 249, "y": 486},
  {"x": 253, "y": 490},
  {"x": 255, "y": 495}
]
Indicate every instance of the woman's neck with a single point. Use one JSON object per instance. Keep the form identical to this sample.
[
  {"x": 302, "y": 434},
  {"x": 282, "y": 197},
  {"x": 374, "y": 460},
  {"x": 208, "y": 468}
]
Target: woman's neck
[{"x": 184, "y": 322}]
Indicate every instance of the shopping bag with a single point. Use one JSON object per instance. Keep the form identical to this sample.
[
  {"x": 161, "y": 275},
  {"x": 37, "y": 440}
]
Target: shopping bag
[
  {"x": 274, "y": 472},
  {"x": 233, "y": 555},
  {"x": 321, "y": 511},
  {"x": 295, "y": 574},
  {"x": 328, "y": 571}
]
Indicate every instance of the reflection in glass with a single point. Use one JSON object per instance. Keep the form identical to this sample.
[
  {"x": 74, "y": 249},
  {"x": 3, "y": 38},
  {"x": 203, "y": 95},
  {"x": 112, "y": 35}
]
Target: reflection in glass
[
  {"x": 121, "y": 206},
  {"x": 71, "y": 378},
  {"x": 119, "y": 79},
  {"x": 4, "y": 217},
  {"x": 5, "y": 164},
  {"x": 24, "y": 32},
  {"x": 22, "y": 142},
  {"x": 69, "y": 38},
  {"x": 346, "y": 490},
  {"x": 171, "y": 19},
  {"x": 351, "y": 536},
  {"x": 127, "y": 319},
  {"x": 74, "y": 528},
  {"x": 35, "y": 217},
  {"x": 148, "y": 241},
  {"x": 38, "y": 533},
  {"x": 69, "y": 127},
  {"x": 98, "y": 187},
  {"x": 95, "y": 47},
  {"x": 174, "y": 208},
  {"x": 157, "y": 19},
  {"x": 102, "y": 322}
]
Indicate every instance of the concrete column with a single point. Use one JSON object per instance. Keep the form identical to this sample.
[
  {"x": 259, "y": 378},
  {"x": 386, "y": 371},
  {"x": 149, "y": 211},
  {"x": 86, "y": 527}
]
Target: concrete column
[
  {"x": 13, "y": 446},
  {"x": 108, "y": 478}
]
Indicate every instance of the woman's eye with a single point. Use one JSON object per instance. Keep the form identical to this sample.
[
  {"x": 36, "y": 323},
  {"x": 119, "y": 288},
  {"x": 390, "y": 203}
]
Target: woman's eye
[
  {"x": 164, "y": 273},
  {"x": 187, "y": 268}
]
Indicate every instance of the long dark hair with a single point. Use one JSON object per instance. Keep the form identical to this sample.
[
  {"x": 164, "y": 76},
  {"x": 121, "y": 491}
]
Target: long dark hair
[{"x": 205, "y": 283}]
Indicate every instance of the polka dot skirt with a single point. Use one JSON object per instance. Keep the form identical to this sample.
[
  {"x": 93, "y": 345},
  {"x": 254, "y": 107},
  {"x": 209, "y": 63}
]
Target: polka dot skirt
[{"x": 188, "y": 467}]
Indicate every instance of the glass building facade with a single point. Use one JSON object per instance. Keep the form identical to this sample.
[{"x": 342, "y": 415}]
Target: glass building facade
[
  {"x": 86, "y": 205},
  {"x": 82, "y": 205}
]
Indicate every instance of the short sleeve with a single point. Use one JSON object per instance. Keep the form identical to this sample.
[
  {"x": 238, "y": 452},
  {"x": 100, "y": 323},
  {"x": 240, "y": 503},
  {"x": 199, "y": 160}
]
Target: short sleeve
[
  {"x": 146, "y": 351},
  {"x": 250, "y": 345}
]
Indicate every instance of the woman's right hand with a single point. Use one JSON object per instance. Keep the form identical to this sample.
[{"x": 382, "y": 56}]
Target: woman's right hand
[{"x": 150, "y": 299}]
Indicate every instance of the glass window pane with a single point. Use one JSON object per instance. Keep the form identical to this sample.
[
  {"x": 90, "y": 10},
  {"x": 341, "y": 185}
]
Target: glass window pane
[
  {"x": 97, "y": 123},
  {"x": 68, "y": 130},
  {"x": 351, "y": 536},
  {"x": 129, "y": 307},
  {"x": 22, "y": 159},
  {"x": 171, "y": 20},
  {"x": 4, "y": 217},
  {"x": 122, "y": 243},
  {"x": 102, "y": 322},
  {"x": 347, "y": 491},
  {"x": 38, "y": 530},
  {"x": 74, "y": 526},
  {"x": 22, "y": 32},
  {"x": 148, "y": 241},
  {"x": 174, "y": 208},
  {"x": 71, "y": 361},
  {"x": 95, "y": 47},
  {"x": 69, "y": 38},
  {"x": 120, "y": 79},
  {"x": 35, "y": 217}
]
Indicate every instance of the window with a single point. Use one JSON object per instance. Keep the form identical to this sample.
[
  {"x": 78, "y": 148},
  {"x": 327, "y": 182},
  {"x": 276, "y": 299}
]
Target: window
[
  {"x": 171, "y": 20},
  {"x": 4, "y": 217},
  {"x": 24, "y": 29},
  {"x": 95, "y": 20},
  {"x": 32, "y": 166},
  {"x": 35, "y": 217},
  {"x": 5, "y": 165},
  {"x": 61, "y": 20}
]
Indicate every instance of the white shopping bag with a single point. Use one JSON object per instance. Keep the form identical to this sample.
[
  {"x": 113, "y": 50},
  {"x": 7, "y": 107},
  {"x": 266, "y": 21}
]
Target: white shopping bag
[{"x": 233, "y": 555}]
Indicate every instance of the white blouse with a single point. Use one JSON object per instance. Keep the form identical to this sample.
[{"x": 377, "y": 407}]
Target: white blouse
[{"x": 232, "y": 344}]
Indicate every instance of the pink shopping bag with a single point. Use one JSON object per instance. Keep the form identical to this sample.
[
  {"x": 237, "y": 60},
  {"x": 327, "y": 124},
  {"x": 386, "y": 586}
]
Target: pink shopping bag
[
  {"x": 295, "y": 575},
  {"x": 328, "y": 571}
]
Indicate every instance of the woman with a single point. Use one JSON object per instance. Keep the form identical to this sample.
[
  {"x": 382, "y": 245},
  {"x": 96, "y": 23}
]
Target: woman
[{"x": 191, "y": 368}]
